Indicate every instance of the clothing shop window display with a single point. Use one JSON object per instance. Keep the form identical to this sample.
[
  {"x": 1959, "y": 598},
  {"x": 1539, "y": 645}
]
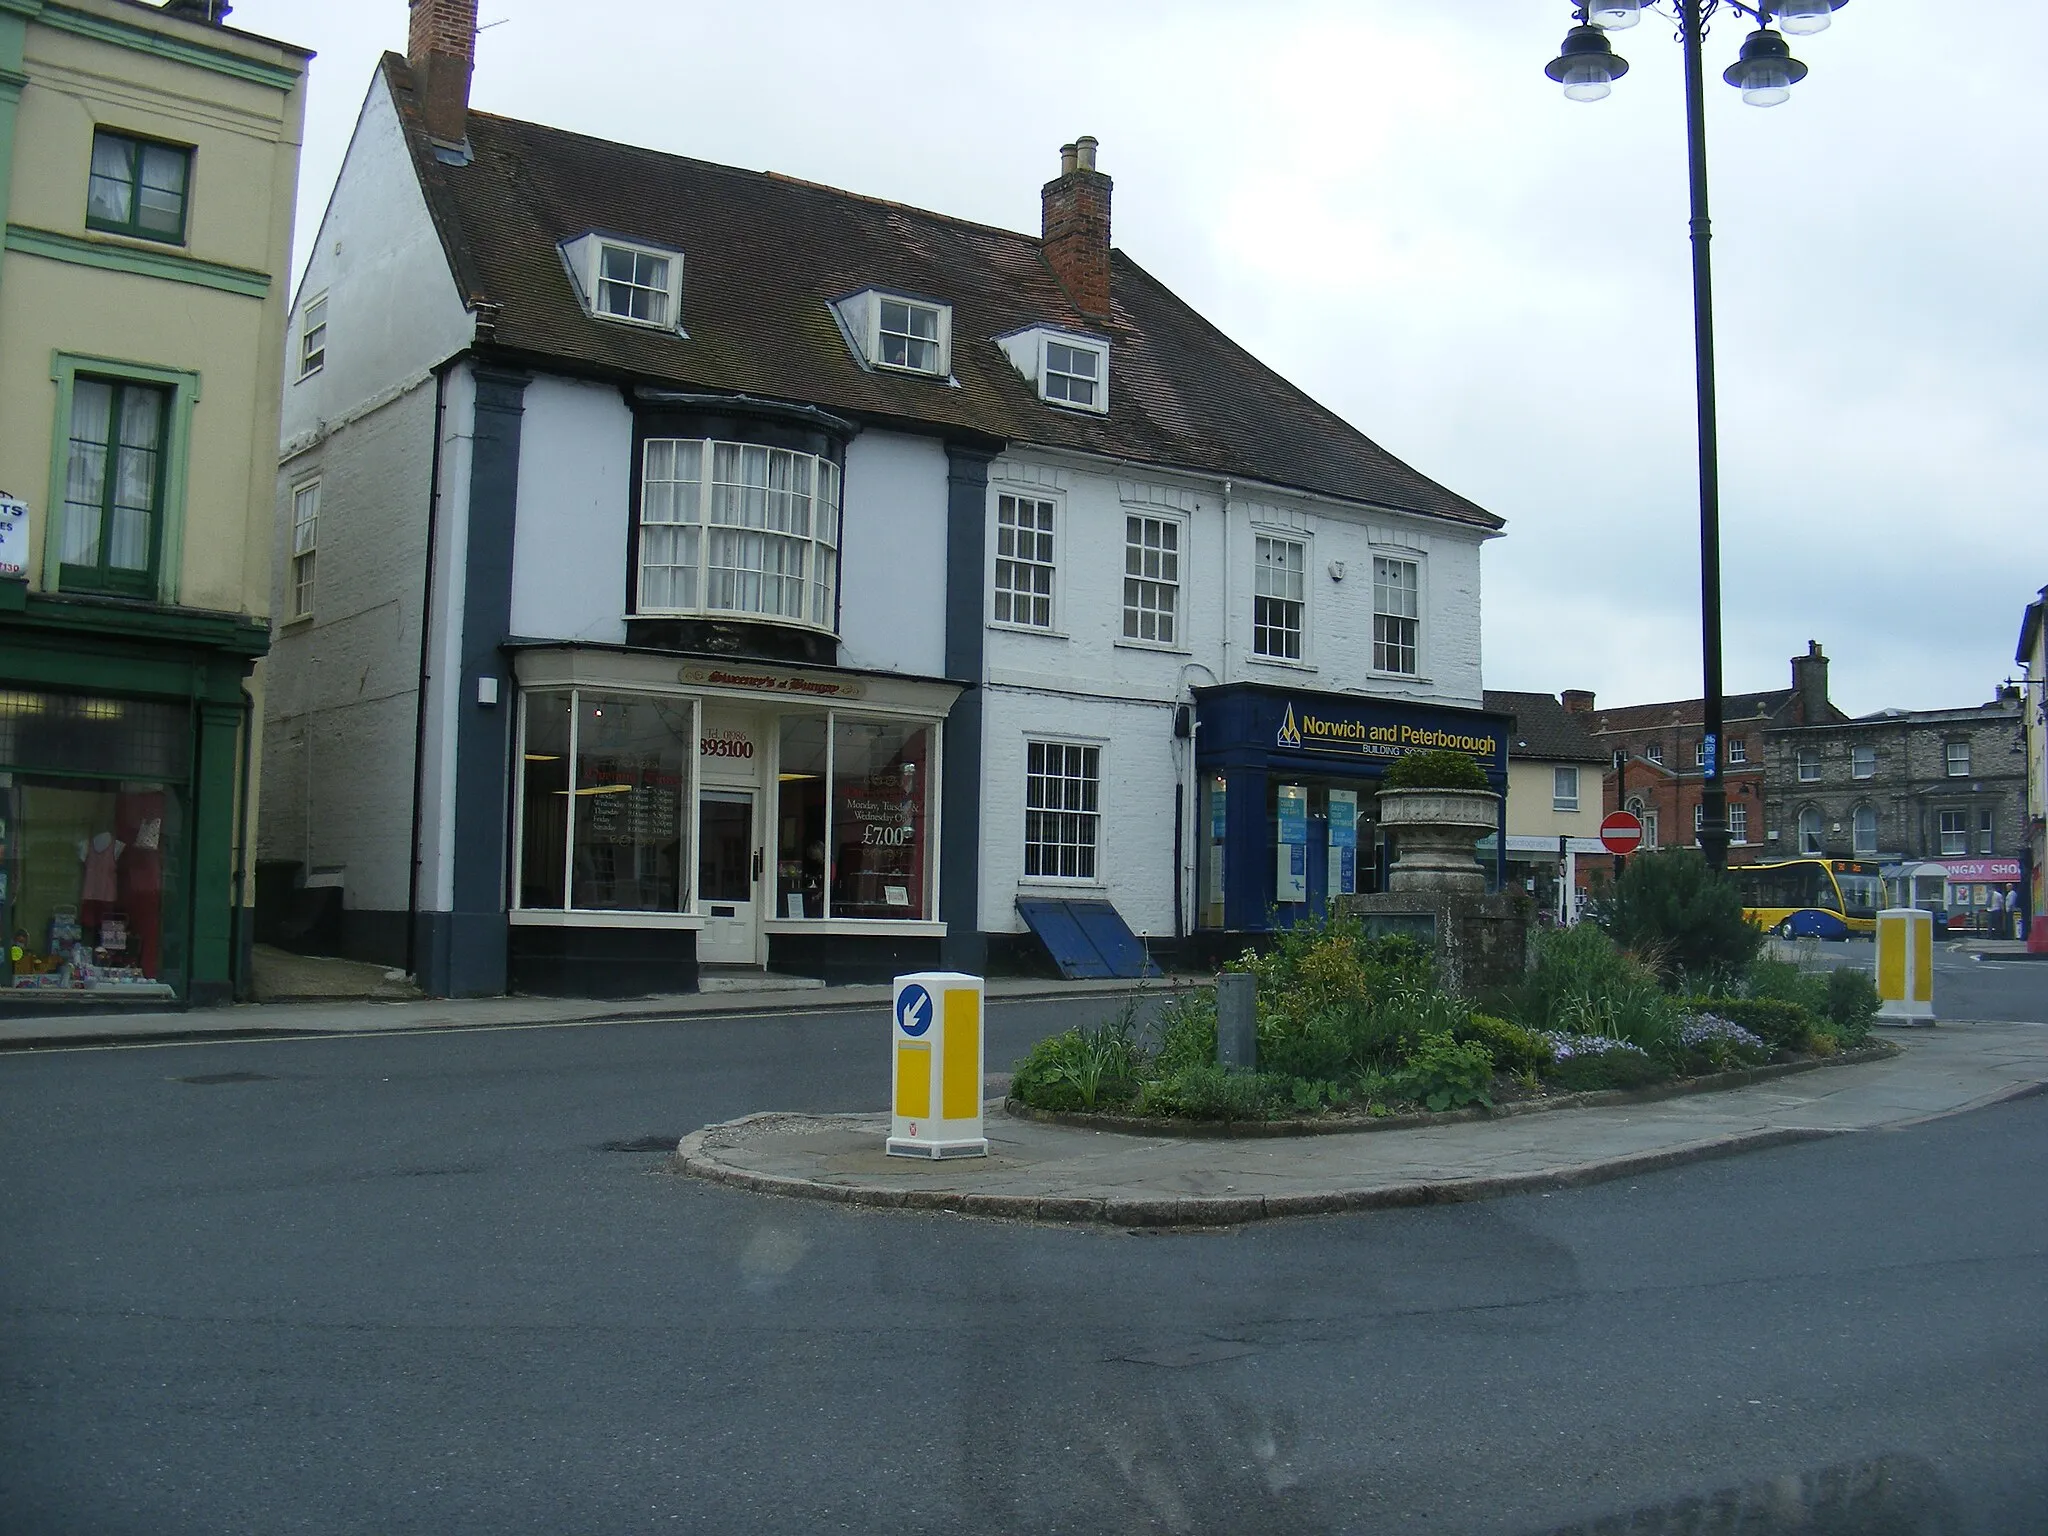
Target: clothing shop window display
[{"x": 84, "y": 868}]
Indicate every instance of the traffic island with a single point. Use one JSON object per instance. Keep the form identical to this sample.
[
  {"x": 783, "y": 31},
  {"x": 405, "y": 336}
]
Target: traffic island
[{"x": 1057, "y": 1172}]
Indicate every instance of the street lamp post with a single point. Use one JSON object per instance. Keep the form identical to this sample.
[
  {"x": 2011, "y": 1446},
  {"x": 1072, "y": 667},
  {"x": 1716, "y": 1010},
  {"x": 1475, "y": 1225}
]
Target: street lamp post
[{"x": 1765, "y": 73}]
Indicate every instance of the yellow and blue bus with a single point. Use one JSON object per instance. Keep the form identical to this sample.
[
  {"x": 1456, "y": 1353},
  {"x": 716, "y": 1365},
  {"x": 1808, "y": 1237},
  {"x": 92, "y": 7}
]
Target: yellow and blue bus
[{"x": 1811, "y": 898}]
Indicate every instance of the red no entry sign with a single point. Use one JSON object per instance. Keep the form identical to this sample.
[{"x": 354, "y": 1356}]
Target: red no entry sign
[{"x": 1621, "y": 832}]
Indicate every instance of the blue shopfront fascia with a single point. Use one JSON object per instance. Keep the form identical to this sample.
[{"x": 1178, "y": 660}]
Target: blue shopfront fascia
[{"x": 1253, "y": 734}]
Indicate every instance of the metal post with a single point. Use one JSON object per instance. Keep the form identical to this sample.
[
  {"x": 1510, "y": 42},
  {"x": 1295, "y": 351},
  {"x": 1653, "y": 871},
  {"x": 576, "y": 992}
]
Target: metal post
[
  {"x": 1713, "y": 802},
  {"x": 1237, "y": 1023}
]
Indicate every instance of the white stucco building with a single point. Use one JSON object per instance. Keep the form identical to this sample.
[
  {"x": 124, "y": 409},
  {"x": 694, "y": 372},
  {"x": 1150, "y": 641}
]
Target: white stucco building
[{"x": 684, "y": 566}]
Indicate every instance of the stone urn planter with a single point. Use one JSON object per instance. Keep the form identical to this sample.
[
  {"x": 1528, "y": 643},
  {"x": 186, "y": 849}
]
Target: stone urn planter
[{"x": 1434, "y": 831}]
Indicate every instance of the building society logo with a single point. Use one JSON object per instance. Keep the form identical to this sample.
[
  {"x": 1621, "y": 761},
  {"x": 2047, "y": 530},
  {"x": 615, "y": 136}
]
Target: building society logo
[{"x": 1290, "y": 733}]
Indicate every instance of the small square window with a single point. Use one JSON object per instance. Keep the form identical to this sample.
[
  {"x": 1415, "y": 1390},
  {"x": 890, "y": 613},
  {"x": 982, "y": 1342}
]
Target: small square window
[
  {"x": 313, "y": 336},
  {"x": 137, "y": 187},
  {"x": 1957, "y": 757},
  {"x": 1809, "y": 765},
  {"x": 1656, "y": 752},
  {"x": 1564, "y": 789},
  {"x": 908, "y": 336},
  {"x": 1073, "y": 374},
  {"x": 632, "y": 285},
  {"x": 1955, "y": 832},
  {"x": 1738, "y": 750}
]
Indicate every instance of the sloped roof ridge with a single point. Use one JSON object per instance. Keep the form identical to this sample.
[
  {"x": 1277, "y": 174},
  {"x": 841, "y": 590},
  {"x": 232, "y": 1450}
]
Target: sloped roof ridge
[{"x": 1219, "y": 336}]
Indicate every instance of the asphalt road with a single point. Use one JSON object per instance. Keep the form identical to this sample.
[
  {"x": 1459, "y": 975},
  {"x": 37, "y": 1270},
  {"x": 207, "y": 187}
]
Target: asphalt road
[
  {"x": 1967, "y": 986},
  {"x": 440, "y": 1283}
]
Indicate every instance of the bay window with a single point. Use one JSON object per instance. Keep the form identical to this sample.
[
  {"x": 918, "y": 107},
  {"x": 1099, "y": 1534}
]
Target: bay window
[{"x": 736, "y": 528}]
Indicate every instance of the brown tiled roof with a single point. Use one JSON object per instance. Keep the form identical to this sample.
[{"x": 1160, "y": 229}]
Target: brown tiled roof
[
  {"x": 1545, "y": 729},
  {"x": 1735, "y": 707},
  {"x": 765, "y": 254}
]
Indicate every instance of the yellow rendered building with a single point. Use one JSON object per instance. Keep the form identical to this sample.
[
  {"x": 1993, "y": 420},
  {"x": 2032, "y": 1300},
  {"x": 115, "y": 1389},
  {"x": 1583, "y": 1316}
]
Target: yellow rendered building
[{"x": 148, "y": 169}]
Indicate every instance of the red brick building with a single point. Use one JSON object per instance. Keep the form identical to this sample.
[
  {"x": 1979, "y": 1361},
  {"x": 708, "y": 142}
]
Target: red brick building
[{"x": 1657, "y": 755}]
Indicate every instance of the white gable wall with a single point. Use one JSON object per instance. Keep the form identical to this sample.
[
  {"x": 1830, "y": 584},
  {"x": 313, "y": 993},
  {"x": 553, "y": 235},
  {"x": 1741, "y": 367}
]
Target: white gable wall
[{"x": 393, "y": 310}]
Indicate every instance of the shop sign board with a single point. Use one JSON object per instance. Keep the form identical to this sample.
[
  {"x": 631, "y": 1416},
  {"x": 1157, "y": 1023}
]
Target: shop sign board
[
  {"x": 13, "y": 535},
  {"x": 1319, "y": 728},
  {"x": 1975, "y": 871},
  {"x": 761, "y": 680}
]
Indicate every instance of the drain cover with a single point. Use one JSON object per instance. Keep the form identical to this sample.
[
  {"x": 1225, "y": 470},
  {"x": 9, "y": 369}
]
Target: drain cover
[{"x": 641, "y": 1144}]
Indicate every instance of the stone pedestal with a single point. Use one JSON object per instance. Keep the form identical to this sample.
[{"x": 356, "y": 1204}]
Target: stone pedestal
[
  {"x": 1434, "y": 833},
  {"x": 1481, "y": 939}
]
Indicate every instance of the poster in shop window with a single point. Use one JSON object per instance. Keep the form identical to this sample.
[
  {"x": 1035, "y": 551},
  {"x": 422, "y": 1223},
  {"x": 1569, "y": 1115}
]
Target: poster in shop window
[
  {"x": 13, "y": 536},
  {"x": 1290, "y": 869},
  {"x": 1344, "y": 842}
]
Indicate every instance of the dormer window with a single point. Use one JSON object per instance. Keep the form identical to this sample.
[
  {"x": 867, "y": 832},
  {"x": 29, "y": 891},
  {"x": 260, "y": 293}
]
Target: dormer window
[
  {"x": 899, "y": 333},
  {"x": 1071, "y": 374},
  {"x": 1068, "y": 368},
  {"x": 622, "y": 280}
]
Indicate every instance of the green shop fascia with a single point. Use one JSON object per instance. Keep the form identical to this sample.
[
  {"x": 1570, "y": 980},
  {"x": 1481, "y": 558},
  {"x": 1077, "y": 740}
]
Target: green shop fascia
[{"x": 123, "y": 731}]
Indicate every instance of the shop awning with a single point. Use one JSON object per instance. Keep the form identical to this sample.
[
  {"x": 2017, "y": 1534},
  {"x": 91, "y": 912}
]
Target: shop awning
[{"x": 1086, "y": 939}]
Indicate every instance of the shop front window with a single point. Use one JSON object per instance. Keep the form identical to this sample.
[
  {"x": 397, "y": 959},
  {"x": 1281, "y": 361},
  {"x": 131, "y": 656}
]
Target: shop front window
[
  {"x": 803, "y": 836},
  {"x": 880, "y": 786},
  {"x": 92, "y": 842},
  {"x": 85, "y": 866},
  {"x": 604, "y": 781}
]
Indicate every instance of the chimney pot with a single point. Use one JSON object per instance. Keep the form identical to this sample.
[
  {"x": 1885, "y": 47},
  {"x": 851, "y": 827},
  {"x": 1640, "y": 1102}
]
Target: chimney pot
[
  {"x": 441, "y": 48},
  {"x": 1076, "y": 228}
]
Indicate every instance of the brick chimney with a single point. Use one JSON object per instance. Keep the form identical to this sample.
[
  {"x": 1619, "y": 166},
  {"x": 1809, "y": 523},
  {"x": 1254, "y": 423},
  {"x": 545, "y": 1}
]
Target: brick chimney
[
  {"x": 1810, "y": 682},
  {"x": 440, "y": 46},
  {"x": 1076, "y": 232},
  {"x": 1578, "y": 701}
]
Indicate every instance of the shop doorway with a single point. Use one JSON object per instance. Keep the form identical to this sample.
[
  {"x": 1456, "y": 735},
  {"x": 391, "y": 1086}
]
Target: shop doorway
[{"x": 728, "y": 874}]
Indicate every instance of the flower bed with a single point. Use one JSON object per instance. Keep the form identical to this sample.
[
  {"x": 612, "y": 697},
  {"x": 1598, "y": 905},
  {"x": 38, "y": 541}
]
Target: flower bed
[{"x": 1354, "y": 1028}]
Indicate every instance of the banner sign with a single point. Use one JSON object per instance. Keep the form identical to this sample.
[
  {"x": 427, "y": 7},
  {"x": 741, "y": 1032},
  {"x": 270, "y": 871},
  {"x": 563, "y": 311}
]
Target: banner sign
[{"x": 1974, "y": 871}]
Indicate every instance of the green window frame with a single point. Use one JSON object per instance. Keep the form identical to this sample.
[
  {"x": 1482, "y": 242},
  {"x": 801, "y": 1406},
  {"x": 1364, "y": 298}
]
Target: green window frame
[
  {"x": 178, "y": 394},
  {"x": 137, "y": 186}
]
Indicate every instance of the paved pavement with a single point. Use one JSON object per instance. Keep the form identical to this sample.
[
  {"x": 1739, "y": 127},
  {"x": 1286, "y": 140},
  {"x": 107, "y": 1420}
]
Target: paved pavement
[
  {"x": 357, "y": 1016},
  {"x": 1061, "y": 1172}
]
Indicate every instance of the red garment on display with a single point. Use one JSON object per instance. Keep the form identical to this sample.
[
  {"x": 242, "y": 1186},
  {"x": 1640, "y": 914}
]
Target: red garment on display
[{"x": 139, "y": 822}]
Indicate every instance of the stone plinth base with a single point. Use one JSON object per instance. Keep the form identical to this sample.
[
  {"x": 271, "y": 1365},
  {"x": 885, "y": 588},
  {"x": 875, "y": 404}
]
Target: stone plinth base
[{"x": 1481, "y": 939}]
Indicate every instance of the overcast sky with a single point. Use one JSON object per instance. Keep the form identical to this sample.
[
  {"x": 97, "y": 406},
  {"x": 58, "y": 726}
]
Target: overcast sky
[{"x": 1388, "y": 202}]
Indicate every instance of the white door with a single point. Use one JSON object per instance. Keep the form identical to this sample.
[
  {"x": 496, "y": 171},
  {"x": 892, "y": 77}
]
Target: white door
[{"x": 728, "y": 871}]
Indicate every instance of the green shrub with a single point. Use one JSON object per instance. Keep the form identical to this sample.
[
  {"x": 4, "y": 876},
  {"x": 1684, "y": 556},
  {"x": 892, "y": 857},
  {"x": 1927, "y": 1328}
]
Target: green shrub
[
  {"x": 1672, "y": 909},
  {"x": 1084, "y": 1069},
  {"x": 1442, "y": 1074},
  {"x": 1607, "y": 1069},
  {"x": 1580, "y": 982},
  {"x": 1435, "y": 770},
  {"x": 1512, "y": 1048},
  {"x": 1851, "y": 1003},
  {"x": 1184, "y": 1032},
  {"x": 1208, "y": 1092},
  {"x": 1783, "y": 1026}
]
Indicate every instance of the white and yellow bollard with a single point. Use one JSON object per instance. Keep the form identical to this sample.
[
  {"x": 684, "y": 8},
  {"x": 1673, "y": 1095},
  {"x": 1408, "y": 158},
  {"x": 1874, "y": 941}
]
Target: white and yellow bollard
[
  {"x": 937, "y": 1054},
  {"x": 1905, "y": 964}
]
